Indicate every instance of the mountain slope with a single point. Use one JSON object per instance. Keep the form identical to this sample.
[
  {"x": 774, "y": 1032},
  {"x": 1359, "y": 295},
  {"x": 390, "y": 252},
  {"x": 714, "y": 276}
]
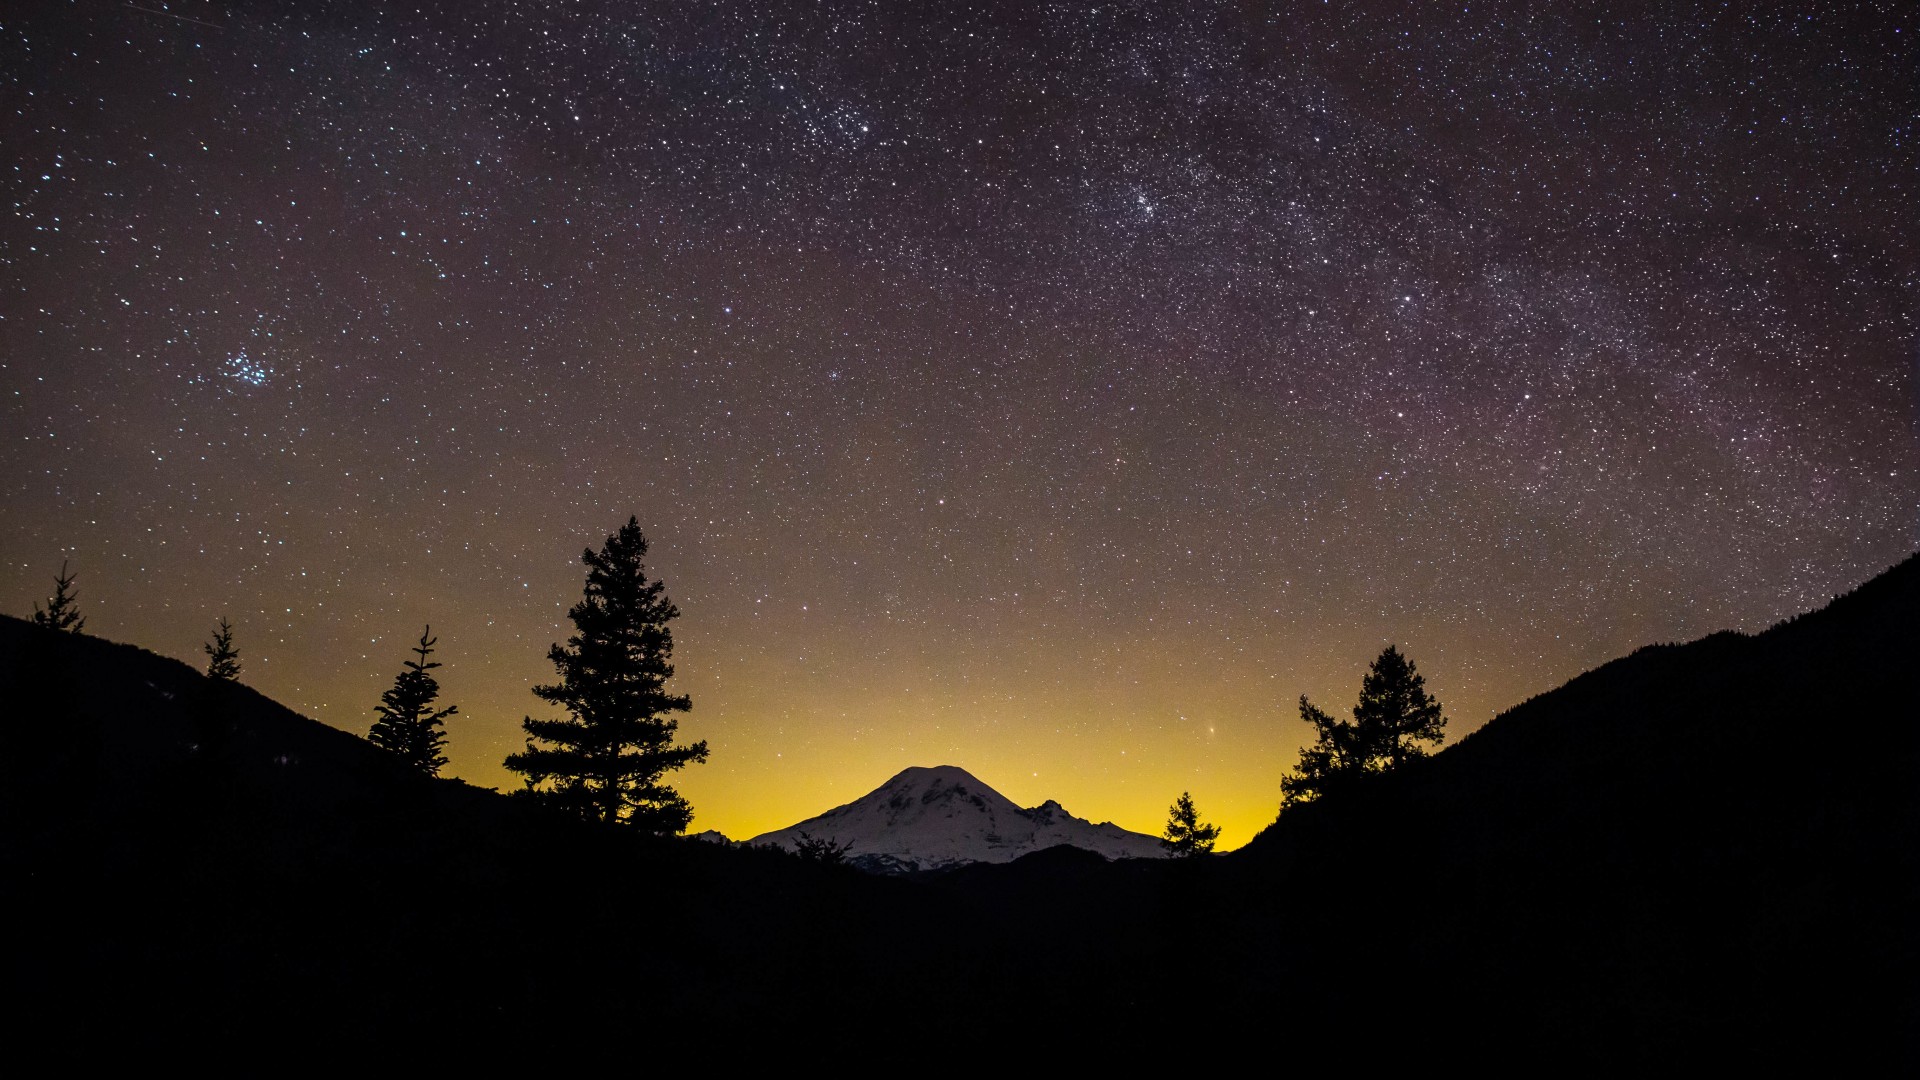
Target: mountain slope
[
  {"x": 185, "y": 861},
  {"x": 1712, "y": 842},
  {"x": 933, "y": 818}
]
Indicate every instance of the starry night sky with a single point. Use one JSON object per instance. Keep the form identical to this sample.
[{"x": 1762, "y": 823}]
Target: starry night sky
[{"x": 1054, "y": 390}]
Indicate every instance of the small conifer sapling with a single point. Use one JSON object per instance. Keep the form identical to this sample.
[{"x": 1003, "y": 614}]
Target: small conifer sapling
[
  {"x": 61, "y": 612},
  {"x": 223, "y": 657},
  {"x": 1186, "y": 836},
  {"x": 409, "y": 726}
]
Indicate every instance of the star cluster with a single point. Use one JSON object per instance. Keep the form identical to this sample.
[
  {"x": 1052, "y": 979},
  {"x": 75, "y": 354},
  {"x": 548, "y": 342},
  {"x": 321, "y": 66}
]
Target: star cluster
[{"x": 1056, "y": 390}]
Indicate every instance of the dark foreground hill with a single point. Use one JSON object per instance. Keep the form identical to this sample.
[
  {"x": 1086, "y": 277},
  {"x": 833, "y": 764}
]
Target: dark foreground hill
[
  {"x": 1713, "y": 843},
  {"x": 188, "y": 861},
  {"x": 1704, "y": 851}
]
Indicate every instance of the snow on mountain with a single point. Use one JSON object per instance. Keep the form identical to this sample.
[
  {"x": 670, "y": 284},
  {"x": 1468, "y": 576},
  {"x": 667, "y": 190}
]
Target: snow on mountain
[{"x": 926, "y": 819}]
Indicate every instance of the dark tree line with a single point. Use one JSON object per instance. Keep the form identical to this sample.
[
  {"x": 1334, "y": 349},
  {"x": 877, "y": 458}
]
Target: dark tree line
[
  {"x": 826, "y": 851},
  {"x": 607, "y": 758}
]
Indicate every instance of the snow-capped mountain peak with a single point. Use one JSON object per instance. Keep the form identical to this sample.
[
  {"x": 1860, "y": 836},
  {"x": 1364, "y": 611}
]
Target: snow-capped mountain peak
[{"x": 929, "y": 818}]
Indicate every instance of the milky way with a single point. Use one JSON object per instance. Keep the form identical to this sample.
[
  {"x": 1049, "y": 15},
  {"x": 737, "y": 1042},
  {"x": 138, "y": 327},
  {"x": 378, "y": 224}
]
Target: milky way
[{"x": 1054, "y": 390}]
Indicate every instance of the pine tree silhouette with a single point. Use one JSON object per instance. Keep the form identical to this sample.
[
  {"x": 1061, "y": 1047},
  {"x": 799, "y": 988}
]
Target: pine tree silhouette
[
  {"x": 1394, "y": 715},
  {"x": 409, "y": 727},
  {"x": 223, "y": 659},
  {"x": 606, "y": 761},
  {"x": 1185, "y": 836},
  {"x": 61, "y": 612}
]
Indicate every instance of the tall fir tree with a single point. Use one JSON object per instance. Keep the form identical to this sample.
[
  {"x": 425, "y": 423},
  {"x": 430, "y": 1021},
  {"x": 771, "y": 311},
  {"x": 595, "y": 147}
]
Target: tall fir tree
[
  {"x": 223, "y": 658},
  {"x": 1394, "y": 716},
  {"x": 606, "y": 760},
  {"x": 409, "y": 727},
  {"x": 1185, "y": 836},
  {"x": 62, "y": 611}
]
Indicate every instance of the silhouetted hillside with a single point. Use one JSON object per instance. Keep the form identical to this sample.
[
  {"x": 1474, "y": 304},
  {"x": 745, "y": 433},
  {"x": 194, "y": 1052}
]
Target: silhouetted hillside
[
  {"x": 1701, "y": 845},
  {"x": 1698, "y": 851},
  {"x": 259, "y": 876}
]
